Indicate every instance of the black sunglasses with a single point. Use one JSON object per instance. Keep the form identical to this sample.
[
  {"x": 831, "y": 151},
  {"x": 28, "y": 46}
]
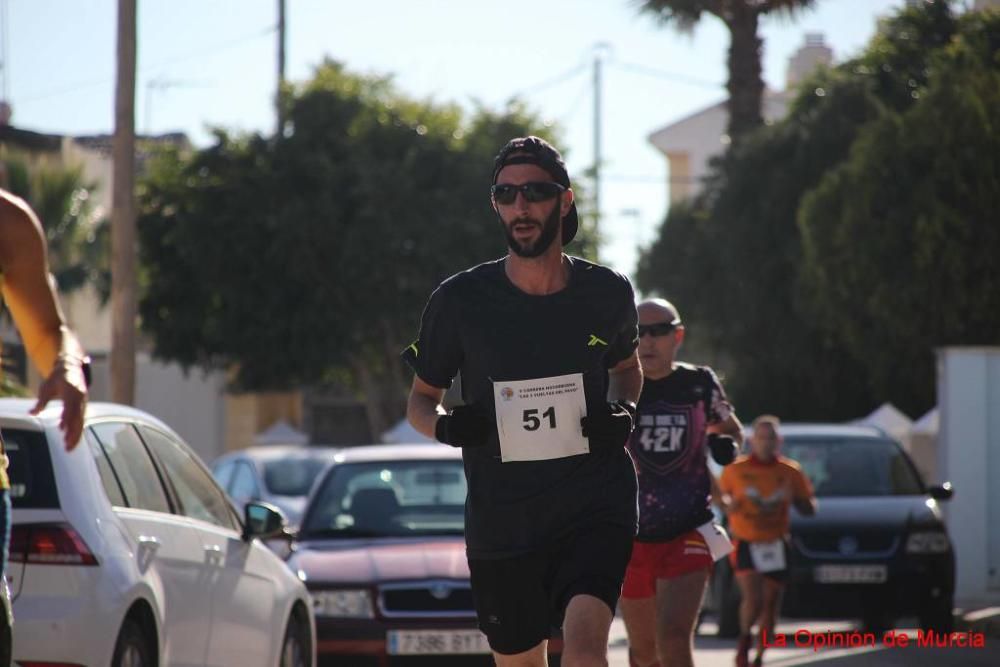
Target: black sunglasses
[
  {"x": 658, "y": 329},
  {"x": 534, "y": 192}
]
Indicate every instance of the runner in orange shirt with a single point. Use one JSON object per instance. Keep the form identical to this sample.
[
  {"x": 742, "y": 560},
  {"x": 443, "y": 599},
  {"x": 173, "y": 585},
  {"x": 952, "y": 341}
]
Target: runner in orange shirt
[{"x": 757, "y": 492}]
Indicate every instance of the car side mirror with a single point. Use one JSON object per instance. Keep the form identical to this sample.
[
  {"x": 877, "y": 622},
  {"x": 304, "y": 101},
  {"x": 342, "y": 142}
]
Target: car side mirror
[
  {"x": 941, "y": 491},
  {"x": 263, "y": 520}
]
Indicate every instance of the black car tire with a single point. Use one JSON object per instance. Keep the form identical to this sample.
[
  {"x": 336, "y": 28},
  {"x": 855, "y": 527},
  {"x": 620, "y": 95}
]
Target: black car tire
[
  {"x": 727, "y": 600},
  {"x": 877, "y": 621},
  {"x": 937, "y": 615},
  {"x": 132, "y": 648},
  {"x": 6, "y": 641},
  {"x": 296, "y": 645}
]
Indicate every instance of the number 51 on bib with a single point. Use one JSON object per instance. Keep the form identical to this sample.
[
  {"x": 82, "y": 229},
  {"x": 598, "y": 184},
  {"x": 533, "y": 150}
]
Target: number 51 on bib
[{"x": 539, "y": 419}]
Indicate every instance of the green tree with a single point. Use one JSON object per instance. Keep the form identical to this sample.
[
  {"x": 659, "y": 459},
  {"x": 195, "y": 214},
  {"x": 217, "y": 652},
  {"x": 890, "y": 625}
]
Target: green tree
[
  {"x": 742, "y": 20},
  {"x": 901, "y": 239},
  {"x": 78, "y": 243},
  {"x": 732, "y": 258},
  {"x": 308, "y": 258}
]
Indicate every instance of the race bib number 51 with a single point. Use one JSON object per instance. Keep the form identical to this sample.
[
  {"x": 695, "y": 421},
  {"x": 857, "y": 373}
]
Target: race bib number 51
[{"x": 540, "y": 419}]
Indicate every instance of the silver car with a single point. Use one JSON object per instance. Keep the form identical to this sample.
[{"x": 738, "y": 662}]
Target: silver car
[{"x": 281, "y": 475}]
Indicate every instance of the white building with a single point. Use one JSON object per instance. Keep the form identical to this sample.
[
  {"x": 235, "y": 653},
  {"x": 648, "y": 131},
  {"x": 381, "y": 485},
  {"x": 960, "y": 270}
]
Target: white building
[{"x": 690, "y": 143}]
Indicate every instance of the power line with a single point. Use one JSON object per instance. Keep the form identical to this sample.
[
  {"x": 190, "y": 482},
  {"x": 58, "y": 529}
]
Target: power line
[
  {"x": 553, "y": 81},
  {"x": 572, "y": 110},
  {"x": 81, "y": 85},
  {"x": 665, "y": 75}
]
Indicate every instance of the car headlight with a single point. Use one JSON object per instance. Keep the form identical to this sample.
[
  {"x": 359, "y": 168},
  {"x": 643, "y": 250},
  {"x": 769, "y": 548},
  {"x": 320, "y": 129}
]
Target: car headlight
[
  {"x": 930, "y": 542},
  {"x": 342, "y": 603}
]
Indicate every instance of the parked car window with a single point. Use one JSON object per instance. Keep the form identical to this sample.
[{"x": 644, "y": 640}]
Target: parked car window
[
  {"x": 222, "y": 471},
  {"x": 32, "y": 484},
  {"x": 130, "y": 461},
  {"x": 393, "y": 498},
  {"x": 197, "y": 493},
  {"x": 244, "y": 483},
  {"x": 293, "y": 476},
  {"x": 109, "y": 480},
  {"x": 856, "y": 467}
]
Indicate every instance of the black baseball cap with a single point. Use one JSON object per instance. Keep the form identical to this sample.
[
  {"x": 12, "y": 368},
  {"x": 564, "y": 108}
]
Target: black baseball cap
[{"x": 537, "y": 151}]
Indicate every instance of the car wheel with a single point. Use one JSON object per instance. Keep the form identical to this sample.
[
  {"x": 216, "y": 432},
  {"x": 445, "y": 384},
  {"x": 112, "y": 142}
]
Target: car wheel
[
  {"x": 296, "y": 645},
  {"x": 132, "y": 648},
  {"x": 937, "y": 615},
  {"x": 5, "y": 641},
  {"x": 877, "y": 621}
]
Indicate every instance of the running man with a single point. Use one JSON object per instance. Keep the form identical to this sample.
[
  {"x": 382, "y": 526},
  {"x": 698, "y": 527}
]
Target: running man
[
  {"x": 757, "y": 492},
  {"x": 683, "y": 410},
  {"x": 545, "y": 343},
  {"x": 29, "y": 293}
]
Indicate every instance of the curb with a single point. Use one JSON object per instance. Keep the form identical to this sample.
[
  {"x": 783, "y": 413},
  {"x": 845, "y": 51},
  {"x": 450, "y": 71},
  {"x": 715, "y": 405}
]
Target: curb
[{"x": 986, "y": 621}]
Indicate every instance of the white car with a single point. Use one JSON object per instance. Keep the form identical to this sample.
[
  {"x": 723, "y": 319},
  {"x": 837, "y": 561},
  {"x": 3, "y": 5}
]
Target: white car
[{"x": 125, "y": 552}]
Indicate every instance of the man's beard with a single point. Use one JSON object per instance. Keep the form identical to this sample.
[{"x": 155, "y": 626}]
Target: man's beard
[{"x": 536, "y": 248}]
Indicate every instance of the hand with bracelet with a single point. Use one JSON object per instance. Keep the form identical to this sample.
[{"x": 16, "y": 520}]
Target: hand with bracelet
[{"x": 68, "y": 382}]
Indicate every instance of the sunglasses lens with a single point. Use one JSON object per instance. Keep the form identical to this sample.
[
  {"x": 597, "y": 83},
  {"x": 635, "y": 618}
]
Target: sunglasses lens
[
  {"x": 533, "y": 192},
  {"x": 504, "y": 194},
  {"x": 536, "y": 192},
  {"x": 656, "y": 330}
]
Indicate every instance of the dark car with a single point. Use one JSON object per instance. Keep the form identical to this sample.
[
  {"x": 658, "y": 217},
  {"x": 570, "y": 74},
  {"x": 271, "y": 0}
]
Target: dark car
[
  {"x": 381, "y": 549},
  {"x": 877, "y": 548}
]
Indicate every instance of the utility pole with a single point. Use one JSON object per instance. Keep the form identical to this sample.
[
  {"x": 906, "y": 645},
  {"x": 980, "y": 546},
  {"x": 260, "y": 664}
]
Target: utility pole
[
  {"x": 599, "y": 51},
  {"x": 123, "y": 273},
  {"x": 281, "y": 66}
]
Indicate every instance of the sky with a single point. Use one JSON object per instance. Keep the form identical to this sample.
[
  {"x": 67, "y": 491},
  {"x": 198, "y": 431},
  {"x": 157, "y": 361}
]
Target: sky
[{"x": 205, "y": 63}]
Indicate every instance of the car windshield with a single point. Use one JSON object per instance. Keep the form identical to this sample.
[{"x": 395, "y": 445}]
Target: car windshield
[
  {"x": 293, "y": 476},
  {"x": 855, "y": 467},
  {"x": 389, "y": 499}
]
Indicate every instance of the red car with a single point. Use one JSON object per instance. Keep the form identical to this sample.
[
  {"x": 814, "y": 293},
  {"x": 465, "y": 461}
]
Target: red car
[{"x": 382, "y": 552}]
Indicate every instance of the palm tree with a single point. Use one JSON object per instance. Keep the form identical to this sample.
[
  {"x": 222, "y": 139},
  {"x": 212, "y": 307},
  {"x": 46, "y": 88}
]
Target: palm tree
[
  {"x": 742, "y": 18},
  {"x": 123, "y": 247},
  {"x": 76, "y": 234}
]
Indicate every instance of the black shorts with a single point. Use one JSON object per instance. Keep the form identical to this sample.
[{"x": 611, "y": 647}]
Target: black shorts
[
  {"x": 741, "y": 561},
  {"x": 521, "y": 599}
]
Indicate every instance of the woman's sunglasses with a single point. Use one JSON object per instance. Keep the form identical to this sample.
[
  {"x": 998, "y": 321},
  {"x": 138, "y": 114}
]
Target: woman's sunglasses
[
  {"x": 658, "y": 329},
  {"x": 534, "y": 192}
]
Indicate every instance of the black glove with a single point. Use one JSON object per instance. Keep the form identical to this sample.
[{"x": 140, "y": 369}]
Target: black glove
[
  {"x": 723, "y": 448},
  {"x": 612, "y": 425},
  {"x": 465, "y": 426}
]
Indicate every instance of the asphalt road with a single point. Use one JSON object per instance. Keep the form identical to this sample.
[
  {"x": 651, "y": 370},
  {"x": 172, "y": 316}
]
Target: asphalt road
[{"x": 713, "y": 652}]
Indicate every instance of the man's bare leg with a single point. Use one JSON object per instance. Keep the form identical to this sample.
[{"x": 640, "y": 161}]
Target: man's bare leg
[
  {"x": 535, "y": 657},
  {"x": 751, "y": 585},
  {"x": 678, "y": 601},
  {"x": 770, "y": 606},
  {"x": 585, "y": 632},
  {"x": 639, "y": 615}
]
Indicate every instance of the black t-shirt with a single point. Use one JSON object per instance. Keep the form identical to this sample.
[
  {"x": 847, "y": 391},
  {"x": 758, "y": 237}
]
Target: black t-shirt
[
  {"x": 668, "y": 446},
  {"x": 480, "y": 324}
]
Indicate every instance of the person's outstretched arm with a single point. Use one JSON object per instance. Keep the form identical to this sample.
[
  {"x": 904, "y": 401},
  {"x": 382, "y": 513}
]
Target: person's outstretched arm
[{"x": 30, "y": 293}]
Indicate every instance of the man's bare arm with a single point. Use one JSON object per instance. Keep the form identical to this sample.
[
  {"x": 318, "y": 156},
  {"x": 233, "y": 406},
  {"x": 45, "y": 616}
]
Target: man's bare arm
[
  {"x": 805, "y": 506},
  {"x": 30, "y": 293},
  {"x": 731, "y": 427},
  {"x": 424, "y": 407},
  {"x": 625, "y": 380}
]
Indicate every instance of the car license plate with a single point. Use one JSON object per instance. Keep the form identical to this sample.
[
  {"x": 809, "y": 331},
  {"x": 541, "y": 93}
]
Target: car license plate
[
  {"x": 435, "y": 642},
  {"x": 851, "y": 574}
]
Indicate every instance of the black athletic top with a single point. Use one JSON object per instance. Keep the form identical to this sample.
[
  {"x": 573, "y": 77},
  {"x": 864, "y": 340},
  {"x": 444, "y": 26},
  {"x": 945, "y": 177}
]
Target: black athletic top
[
  {"x": 480, "y": 324},
  {"x": 668, "y": 446}
]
